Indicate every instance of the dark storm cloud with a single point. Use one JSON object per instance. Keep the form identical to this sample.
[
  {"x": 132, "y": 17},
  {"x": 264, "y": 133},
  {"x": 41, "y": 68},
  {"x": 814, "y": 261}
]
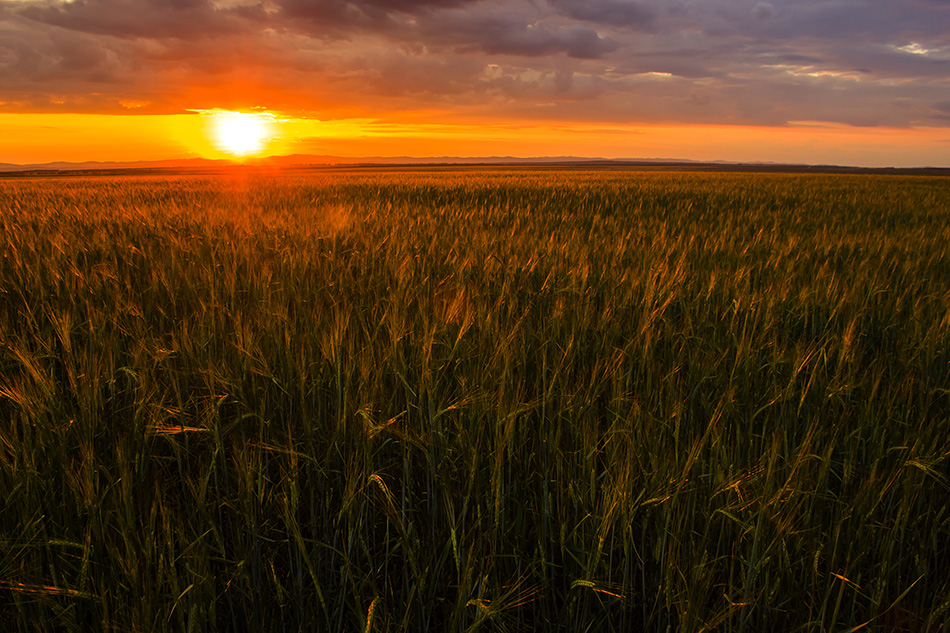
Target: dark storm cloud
[{"x": 861, "y": 62}]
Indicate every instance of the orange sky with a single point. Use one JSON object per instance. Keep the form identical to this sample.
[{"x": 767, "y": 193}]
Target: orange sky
[
  {"x": 809, "y": 81},
  {"x": 39, "y": 138}
]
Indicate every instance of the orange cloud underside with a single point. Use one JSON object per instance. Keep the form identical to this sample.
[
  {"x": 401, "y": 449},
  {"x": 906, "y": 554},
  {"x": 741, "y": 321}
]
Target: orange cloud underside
[{"x": 39, "y": 138}]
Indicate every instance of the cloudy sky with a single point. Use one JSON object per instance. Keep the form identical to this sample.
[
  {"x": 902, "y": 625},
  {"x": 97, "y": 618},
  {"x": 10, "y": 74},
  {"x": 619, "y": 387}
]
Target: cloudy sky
[{"x": 847, "y": 81}]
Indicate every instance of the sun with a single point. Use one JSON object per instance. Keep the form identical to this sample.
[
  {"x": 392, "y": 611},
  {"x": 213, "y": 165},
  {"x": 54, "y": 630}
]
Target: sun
[{"x": 241, "y": 133}]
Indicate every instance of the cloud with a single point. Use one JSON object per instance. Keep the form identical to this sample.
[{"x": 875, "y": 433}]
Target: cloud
[
  {"x": 610, "y": 12},
  {"x": 859, "y": 62},
  {"x": 440, "y": 25},
  {"x": 411, "y": 6},
  {"x": 498, "y": 35},
  {"x": 763, "y": 11},
  {"x": 148, "y": 19}
]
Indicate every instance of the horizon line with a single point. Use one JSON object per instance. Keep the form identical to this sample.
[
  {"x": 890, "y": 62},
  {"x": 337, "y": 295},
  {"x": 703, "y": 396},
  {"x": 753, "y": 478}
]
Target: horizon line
[{"x": 303, "y": 161}]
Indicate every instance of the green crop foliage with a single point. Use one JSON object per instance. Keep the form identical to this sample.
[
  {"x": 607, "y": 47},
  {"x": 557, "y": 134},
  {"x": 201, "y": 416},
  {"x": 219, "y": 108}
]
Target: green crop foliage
[{"x": 460, "y": 400}]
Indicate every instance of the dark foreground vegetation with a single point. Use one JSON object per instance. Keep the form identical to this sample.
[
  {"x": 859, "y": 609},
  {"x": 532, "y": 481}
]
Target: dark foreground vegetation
[{"x": 449, "y": 401}]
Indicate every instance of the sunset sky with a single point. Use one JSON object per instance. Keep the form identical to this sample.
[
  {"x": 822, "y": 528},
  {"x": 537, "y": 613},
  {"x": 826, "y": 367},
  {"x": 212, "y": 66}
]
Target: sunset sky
[{"x": 851, "y": 82}]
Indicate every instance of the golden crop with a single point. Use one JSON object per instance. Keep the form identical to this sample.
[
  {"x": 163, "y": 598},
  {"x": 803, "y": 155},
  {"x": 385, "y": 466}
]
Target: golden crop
[{"x": 442, "y": 400}]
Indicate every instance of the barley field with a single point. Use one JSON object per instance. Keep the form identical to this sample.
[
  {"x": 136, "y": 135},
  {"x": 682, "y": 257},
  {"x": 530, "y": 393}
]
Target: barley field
[{"x": 475, "y": 399}]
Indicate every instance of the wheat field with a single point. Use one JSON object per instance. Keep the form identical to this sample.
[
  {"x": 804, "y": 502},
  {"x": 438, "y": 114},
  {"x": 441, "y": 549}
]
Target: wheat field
[{"x": 475, "y": 399}]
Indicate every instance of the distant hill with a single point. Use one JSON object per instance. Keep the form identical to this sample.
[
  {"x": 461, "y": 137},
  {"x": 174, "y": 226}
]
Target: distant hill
[
  {"x": 191, "y": 163},
  {"x": 303, "y": 161}
]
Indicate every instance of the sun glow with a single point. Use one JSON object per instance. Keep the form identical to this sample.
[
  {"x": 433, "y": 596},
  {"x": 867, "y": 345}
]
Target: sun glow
[
  {"x": 241, "y": 133},
  {"x": 39, "y": 138}
]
